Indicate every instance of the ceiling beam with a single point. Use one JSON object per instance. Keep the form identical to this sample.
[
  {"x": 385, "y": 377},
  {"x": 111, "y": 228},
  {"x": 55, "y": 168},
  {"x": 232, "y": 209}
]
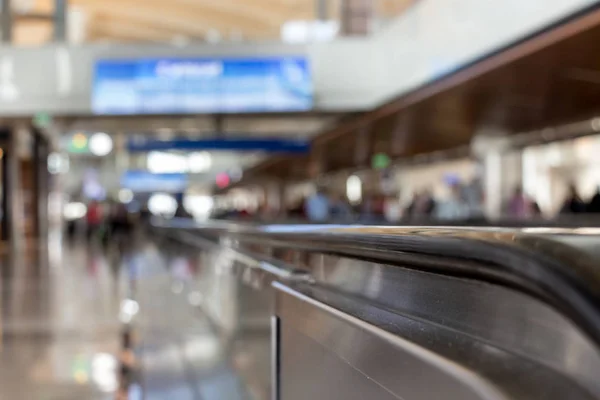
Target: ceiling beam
[
  {"x": 393, "y": 8},
  {"x": 31, "y": 33},
  {"x": 268, "y": 12},
  {"x": 43, "y": 6},
  {"x": 122, "y": 29},
  {"x": 163, "y": 14}
]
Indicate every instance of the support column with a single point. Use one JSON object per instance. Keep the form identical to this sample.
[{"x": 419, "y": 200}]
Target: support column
[
  {"x": 122, "y": 156},
  {"x": 274, "y": 198},
  {"x": 316, "y": 165},
  {"x": 492, "y": 184},
  {"x": 60, "y": 21},
  {"x": 500, "y": 170},
  {"x": 363, "y": 147},
  {"x": 6, "y": 21},
  {"x": 356, "y": 17},
  {"x": 5, "y": 226},
  {"x": 219, "y": 123},
  {"x": 12, "y": 205},
  {"x": 41, "y": 178},
  {"x": 321, "y": 8},
  {"x": 512, "y": 172}
]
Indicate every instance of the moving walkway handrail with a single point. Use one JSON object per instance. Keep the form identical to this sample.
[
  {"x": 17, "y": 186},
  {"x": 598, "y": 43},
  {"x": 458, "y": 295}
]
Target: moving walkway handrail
[
  {"x": 273, "y": 267},
  {"x": 543, "y": 265}
]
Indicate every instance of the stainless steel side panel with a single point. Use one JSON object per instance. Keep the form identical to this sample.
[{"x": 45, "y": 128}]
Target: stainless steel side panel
[{"x": 327, "y": 354}]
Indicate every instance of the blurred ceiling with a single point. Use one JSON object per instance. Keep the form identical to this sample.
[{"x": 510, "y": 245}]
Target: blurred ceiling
[
  {"x": 531, "y": 89},
  {"x": 302, "y": 126},
  {"x": 178, "y": 21}
]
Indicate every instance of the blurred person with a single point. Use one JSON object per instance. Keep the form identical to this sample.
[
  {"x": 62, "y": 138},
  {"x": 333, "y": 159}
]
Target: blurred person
[
  {"x": 94, "y": 219},
  {"x": 594, "y": 205},
  {"x": 181, "y": 212},
  {"x": 145, "y": 214},
  {"x": 573, "y": 204},
  {"x": 372, "y": 209},
  {"x": 297, "y": 211},
  {"x": 318, "y": 207},
  {"x": 536, "y": 211},
  {"x": 340, "y": 209},
  {"x": 410, "y": 209},
  {"x": 392, "y": 210},
  {"x": 423, "y": 204},
  {"x": 518, "y": 205},
  {"x": 473, "y": 197},
  {"x": 119, "y": 219},
  {"x": 456, "y": 207},
  {"x": 428, "y": 202}
]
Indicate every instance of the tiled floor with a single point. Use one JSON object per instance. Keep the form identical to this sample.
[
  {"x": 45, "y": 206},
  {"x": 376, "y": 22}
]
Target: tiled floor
[
  {"x": 183, "y": 354},
  {"x": 60, "y": 327},
  {"x": 62, "y": 323}
]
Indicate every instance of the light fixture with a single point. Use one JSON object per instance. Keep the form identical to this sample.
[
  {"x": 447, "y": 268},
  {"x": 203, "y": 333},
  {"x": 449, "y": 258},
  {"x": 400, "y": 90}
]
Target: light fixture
[
  {"x": 58, "y": 163},
  {"x": 125, "y": 196},
  {"x": 354, "y": 189},
  {"x": 22, "y": 6},
  {"x": 79, "y": 143},
  {"x": 222, "y": 180},
  {"x": 236, "y": 174},
  {"x": 199, "y": 162},
  {"x": 100, "y": 144},
  {"x": 129, "y": 308},
  {"x": 162, "y": 204},
  {"x": 195, "y": 298},
  {"x": 159, "y": 162},
  {"x": 200, "y": 206},
  {"x": 74, "y": 211}
]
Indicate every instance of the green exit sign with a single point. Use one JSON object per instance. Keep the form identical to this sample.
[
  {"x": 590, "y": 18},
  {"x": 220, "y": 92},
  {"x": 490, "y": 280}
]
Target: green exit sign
[{"x": 42, "y": 120}]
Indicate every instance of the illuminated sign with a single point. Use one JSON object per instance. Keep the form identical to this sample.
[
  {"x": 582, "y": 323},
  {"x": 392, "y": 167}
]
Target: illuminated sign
[
  {"x": 78, "y": 143},
  {"x": 143, "y": 181},
  {"x": 380, "y": 161},
  {"x": 202, "y": 85}
]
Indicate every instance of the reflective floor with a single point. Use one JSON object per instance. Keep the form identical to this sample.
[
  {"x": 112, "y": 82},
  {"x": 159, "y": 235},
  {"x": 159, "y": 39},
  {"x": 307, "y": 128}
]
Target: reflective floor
[
  {"x": 60, "y": 327},
  {"x": 64, "y": 312}
]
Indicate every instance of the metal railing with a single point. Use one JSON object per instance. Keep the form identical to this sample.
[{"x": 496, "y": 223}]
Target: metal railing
[{"x": 474, "y": 310}]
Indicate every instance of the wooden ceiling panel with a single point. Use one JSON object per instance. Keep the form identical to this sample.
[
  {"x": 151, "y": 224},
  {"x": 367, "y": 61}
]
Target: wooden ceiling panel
[
  {"x": 547, "y": 80},
  {"x": 32, "y": 33},
  {"x": 159, "y": 20},
  {"x": 265, "y": 12},
  {"x": 126, "y": 30},
  {"x": 177, "y": 21}
]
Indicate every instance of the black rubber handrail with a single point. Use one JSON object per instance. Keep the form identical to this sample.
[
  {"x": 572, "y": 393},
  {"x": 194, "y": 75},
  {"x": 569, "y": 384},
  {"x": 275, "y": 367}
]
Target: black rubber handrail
[{"x": 561, "y": 275}]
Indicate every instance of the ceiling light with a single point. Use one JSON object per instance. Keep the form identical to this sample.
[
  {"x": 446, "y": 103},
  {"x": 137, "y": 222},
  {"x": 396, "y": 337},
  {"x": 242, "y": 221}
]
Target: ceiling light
[
  {"x": 199, "y": 162},
  {"x": 162, "y": 204},
  {"x": 354, "y": 189},
  {"x": 58, "y": 163},
  {"x": 100, "y": 144},
  {"x": 125, "y": 196}
]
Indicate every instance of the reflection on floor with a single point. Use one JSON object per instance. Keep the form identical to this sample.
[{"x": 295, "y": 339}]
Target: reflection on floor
[
  {"x": 183, "y": 354},
  {"x": 60, "y": 331},
  {"x": 63, "y": 315}
]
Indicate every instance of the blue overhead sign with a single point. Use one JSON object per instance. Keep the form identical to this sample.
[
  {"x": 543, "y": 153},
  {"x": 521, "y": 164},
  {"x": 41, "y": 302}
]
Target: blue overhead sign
[
  {"x": 202, "y": 85},
  {"x": 144, "y": 181},
  {"x": 222, "y": 144}
]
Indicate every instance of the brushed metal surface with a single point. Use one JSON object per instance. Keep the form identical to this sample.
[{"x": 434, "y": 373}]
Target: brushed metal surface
[
  {"x": 413, "y": 358},
  {"x": 275, "y": 357},
  {"x": 418, "y": 323},
  {"x": 309, "y": 371},
  {"x": 505, "y": 318},
  {"x": 333, "y": 342},
  {"x": 561, "y": 272}
]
